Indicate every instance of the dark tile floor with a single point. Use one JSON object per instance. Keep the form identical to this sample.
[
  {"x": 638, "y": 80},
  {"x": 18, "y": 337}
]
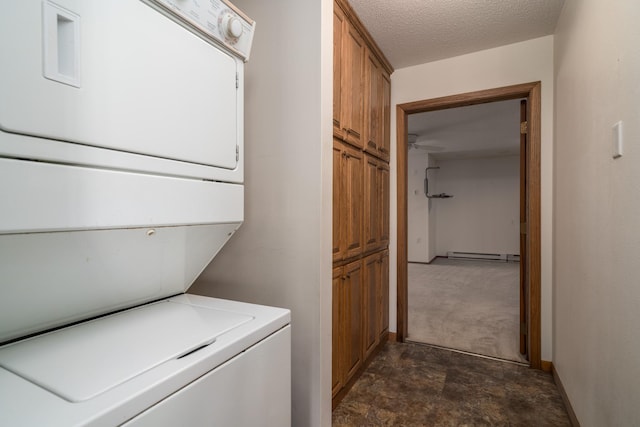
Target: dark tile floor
[{"x": 419, "y": 385}]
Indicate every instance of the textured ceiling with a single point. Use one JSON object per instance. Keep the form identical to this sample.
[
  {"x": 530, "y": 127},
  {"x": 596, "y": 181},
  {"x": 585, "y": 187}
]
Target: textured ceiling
[
  {"x": 412, "y": 32},
  {"x": 484, "y": 130}
]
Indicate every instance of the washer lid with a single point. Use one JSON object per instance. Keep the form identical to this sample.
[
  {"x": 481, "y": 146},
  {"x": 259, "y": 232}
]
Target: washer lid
[{"x": 82, "y": 361}]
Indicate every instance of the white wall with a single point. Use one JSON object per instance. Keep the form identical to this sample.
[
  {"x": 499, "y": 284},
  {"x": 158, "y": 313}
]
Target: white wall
[
  {"x": 597, "y": 207},
  {"x": 524, "y": 62},
  {"x": 281, "y": 256},
  {"x": 484, "y": 214},
  {"x": 432, "y": 215},
  {"x": 417, "y": 207}
]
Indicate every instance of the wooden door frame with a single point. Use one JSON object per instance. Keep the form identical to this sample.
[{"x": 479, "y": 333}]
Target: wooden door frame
[{"x": 531, "y": 91}]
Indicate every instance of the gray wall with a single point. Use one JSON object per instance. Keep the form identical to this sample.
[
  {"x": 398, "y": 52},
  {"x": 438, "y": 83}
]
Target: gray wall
[
  {"x": 597, "y": 207},
  {"x": 281, "y": 256}
]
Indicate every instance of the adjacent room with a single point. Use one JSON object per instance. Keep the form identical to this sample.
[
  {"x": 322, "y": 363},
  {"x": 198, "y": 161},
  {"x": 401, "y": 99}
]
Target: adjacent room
[{"x": 464, "y": 229}]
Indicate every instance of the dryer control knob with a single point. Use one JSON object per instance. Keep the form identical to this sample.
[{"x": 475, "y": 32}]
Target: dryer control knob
[{"x": 232, "y": 26}]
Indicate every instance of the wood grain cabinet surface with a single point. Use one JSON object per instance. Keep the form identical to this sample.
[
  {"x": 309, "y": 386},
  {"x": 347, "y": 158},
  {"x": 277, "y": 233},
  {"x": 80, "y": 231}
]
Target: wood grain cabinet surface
[
  {"x": 347, "y": 323},
  {"x": 377, "y": 104},
  {"x": 348, "y": 201},
  {"x": 348, "y": 59},
  {"x": 361, "y": 120},
  {"x": 376, "y": 204},
  {"x": 371, "y": 303}
]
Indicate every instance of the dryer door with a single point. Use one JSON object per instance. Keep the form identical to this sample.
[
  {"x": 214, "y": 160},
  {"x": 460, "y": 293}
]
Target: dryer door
[{"x": 118, "y": 75}]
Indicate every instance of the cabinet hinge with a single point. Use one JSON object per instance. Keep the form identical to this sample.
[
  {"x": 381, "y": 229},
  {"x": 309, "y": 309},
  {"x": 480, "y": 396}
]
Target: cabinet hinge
[
  {"x": 237, "y": 81},
  {"x": 524, "y": 127},
  {"x": 237, "y": 153}
]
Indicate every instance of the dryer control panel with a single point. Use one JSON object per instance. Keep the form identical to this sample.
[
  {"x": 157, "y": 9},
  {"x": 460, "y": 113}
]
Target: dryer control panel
[{"x": 218, "y": 21}]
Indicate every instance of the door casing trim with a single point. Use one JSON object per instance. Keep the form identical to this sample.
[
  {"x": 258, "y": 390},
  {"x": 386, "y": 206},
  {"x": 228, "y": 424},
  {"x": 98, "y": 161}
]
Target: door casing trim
[{"x": 531, "y": 91}]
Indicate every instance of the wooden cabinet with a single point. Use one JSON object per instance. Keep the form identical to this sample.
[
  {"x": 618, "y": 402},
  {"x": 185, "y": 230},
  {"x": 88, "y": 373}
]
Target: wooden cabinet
[
  {"x": 372, "y": 103},
  {"x": 371, "y": 204},
  {"x": 377, "y": 104},
  {"x": 353, "y": 317},
  {"x": 347, "y": 323},
  {"x": 338, "y": 201},
  {"x": 371, "y": 298},
  {"x": 337, "y": 338},
  {"x": 348, "y": 57},
  {"x": 338, "y": 28},
  {"x": 353, "y": 86},
  {"x": 384, "y": 149},
  {"x": 376, "y": 203},
  {"x": 383, "y": 312},
  {"x": 383, "y": 180},
  {"x": 361, "y": 117},
  {"x": 348, "y": 205},
  {"x": 375, "y": 310}
]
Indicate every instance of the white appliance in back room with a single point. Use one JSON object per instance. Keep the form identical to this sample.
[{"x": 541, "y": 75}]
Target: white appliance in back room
[{"x": 121, "y": 177}]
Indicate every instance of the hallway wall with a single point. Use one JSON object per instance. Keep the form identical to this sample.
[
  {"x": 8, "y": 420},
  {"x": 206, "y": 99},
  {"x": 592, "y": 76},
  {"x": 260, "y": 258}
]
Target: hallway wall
[
  {"x": 282, "y": 253},
  {"x": 523, "y": 62},
  {"x": 597, "y": 207}
]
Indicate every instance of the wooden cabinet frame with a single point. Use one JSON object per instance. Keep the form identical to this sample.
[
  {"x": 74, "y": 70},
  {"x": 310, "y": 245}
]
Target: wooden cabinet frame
[
  {"x": 376, "y": 204},
  {"x": 348, "y": 282},
  {"x": 361, "y": 117},
  {"x": 348, "y": 201}
]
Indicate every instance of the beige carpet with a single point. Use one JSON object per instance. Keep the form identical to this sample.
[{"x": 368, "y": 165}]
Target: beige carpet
[{"x": 466, "y": 305}]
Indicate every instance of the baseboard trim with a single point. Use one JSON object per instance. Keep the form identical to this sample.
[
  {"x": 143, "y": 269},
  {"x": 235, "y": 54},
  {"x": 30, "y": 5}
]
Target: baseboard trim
[
  {"x": 546, "y": 366},
  {"x": 565, "y": 398},
  {"x": 393, "y": 337}
]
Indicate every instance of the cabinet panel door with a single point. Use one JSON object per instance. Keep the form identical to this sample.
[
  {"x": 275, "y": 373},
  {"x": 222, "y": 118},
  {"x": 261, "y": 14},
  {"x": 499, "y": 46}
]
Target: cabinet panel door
[
  {"x": 352, "y": 83},
  {"x": 353, "y": 201},
  {"x": 353, "y": 317},
  {"x": 383, "y": 203},
  {"x": 371, "y": 204},
  {"x": 383, "y": 311},
  {"x": 371, "y": 303},
  {"x": 384, "y": 147},
  {"x": 338, "y": 201},
  {"x": 372, "y": 103},
  {"x": 338, "y": 29},
  {"x": 338, "y": 335}
]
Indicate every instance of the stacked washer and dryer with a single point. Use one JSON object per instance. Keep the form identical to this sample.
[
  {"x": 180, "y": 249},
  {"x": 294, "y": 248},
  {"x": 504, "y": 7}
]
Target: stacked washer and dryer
[{"x": 121, "y": 177}]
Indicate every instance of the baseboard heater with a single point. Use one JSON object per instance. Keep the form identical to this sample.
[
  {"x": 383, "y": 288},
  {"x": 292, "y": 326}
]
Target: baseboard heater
[{"x": 484, "y": 256}]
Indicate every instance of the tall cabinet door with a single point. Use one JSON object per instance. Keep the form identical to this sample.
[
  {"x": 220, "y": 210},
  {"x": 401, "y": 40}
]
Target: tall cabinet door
[
  {"x": 338, "y": 29},
  {"x": 383, "y": 311},
  {"x": 338, "y": 201},
  {"x": 353, "y": 201},
  {"x": 371, "y": 204},
  {"x": 371, "y": 303},
  {"x": 353, "y": 317},
  {"x": 338, "y": 335},
  {"x": 352, "y": 85},
  {"x": 384, "y": 147},
  {"x": 348, "y": 201},
  {"x": 383, "y": 202},
  {"x": 372, "y": 103},
  {"x": 361, "y": 147}
]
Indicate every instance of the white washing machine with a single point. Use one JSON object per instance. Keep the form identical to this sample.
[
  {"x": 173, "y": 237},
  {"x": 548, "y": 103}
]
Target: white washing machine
[{"x": 121, "y": 177}]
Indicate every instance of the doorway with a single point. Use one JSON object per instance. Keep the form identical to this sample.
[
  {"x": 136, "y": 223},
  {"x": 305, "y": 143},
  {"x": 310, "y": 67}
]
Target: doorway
[{"x": 531, "y": 225}]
